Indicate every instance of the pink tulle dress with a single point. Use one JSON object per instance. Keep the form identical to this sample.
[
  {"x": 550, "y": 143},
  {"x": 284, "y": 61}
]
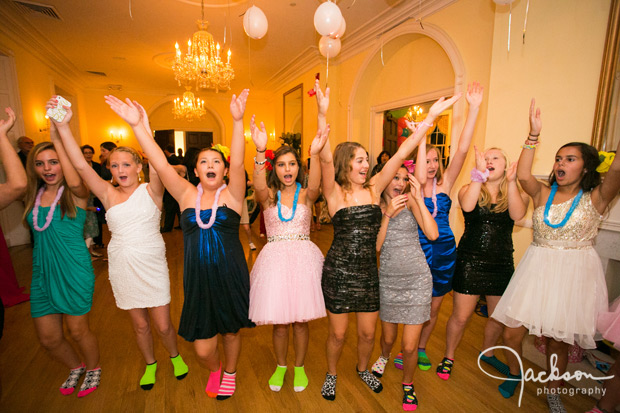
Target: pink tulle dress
[
  {"x": 285, "y": 283},
  {"x": 609, "y": 323}
]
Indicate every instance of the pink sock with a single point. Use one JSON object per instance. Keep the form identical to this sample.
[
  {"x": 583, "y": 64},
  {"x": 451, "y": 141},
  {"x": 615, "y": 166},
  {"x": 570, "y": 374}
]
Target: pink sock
[
  {"x": 213, "y": 385},
  {"x": 227, "y": 388}
]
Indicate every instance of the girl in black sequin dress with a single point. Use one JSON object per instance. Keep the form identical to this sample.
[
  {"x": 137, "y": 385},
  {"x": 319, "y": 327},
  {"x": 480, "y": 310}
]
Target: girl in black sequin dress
[
  {"x": 490, "y": 203},
  {"x": 350, "y": 280}
]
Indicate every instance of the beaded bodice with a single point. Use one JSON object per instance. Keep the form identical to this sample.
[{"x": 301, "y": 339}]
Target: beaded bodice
[{"x": 300, "y": 224}]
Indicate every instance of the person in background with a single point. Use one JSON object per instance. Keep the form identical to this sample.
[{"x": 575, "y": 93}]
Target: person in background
[
  {"x": 383, "y": 157},
  {"x": 24, "y": 144}
]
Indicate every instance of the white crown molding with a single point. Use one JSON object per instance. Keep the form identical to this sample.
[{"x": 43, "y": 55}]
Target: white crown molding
[
  {"x": 25, "y": 35},
  {"x": 304, "y": 61}
]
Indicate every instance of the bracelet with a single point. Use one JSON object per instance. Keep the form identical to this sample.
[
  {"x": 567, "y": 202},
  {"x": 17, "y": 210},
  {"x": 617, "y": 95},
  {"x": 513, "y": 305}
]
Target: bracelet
[
  {"x": 387, "y": 215},
  {"x": 259, "y": 163},
  {"x": 263, "y": 151},
  {"x": 477, "y": 176},
  {"x": 526, "y": 146},
  {"x": 535, "y": 136},
  {"x": 430, "y": 125}
]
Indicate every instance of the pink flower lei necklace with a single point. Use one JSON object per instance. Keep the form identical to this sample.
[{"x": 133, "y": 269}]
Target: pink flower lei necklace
[
  {"x": 433, "y": 197},
  {"x": 50, "y": 214},
  {"x": 213, "y": 207}
]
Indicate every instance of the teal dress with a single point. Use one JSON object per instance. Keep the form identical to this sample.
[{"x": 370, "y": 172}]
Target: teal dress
[{"x": 63, "y": 281}]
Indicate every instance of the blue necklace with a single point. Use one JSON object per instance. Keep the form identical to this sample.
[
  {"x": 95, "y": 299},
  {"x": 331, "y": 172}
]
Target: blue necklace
[
  {"x": 294, "y": 204},
  {"x": 554, "y": 189}
]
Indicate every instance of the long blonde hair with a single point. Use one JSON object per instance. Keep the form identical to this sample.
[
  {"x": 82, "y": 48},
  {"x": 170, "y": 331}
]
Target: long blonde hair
[
  {"x": 501, "y": 202},
  {"x": 343, "y": 155},
  {"x": 67, "y": 206}
]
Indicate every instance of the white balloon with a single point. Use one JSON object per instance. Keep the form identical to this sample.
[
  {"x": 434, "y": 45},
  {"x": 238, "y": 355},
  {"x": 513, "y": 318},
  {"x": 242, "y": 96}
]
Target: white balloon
[
  {"x": 329, "y": 47},
  {"x": 503, "y": 2},
  {"x": 255, "y": 23},
  {"x": 341, "y": 30},
  {"x": 327, "y": 18}
]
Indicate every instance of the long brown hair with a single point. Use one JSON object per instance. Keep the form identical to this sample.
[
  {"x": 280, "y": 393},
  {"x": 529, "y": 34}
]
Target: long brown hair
[
  {"x": 343, "y": 155},
  {"x": 439, "y": 173},
  {"x": 273, "y": 181},
  {"x": 501, "y": 202},
  {"x": 67, "y": 206}
]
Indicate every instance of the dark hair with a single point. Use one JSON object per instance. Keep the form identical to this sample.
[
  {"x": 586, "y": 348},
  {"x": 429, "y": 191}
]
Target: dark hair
[
  {"x": 381, "y": 154},
  {"x": 169, "y": 148},
  {"x": 226, "y": 164},
  {"x": 273, "y": 181},
  {"x": 591, "y": 179},
  {"x": 108, "y": 145},
  {"x": 87, "y": 147}
]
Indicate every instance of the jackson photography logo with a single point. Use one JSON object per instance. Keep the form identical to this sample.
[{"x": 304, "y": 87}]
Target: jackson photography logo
[{"x": 529, "y": 375}]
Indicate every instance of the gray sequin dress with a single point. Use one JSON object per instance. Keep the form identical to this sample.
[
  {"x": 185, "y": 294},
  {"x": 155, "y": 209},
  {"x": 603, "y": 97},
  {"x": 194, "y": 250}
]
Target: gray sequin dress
[{"x": 405, "y": 280}]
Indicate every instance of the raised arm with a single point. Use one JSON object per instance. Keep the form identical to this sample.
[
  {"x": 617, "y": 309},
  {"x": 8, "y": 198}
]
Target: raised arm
[
  {"x": 528, "y": 182},
  {"x": 15, "y": 184},
  {"x": 396, "y": 204},
  {"x": 603, "y": 194},
  {"x": 474, "y": 99},
  {"x": 383, "y": 178},
  {"x": 314, "y": 178},
  {"x": 468, "y": 195},
  {"x": 517, "y": 201},
  {"x": 328, "y": 172},
  {"x": 259, "y": 136},
  {"x": 98, "y": 186},
  {"x": 421, "y": 167},
  {"x": 130, "y": 112},
  {"x": 155, "y": 186},
  {"x": 236, "y": 172},
  {"x": 423, "y": 217},
  {"x": 322, "y": 103}
]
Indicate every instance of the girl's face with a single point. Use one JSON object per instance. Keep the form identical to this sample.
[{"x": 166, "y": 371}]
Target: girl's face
[
  {"x": 104, "y": 154},
  {"x": 385, "y": 157},
  {"x": 568, "y": 167},
  {"x": 398, "y": 184},
  {"x": 496, "y": 164},
  {"x": 287, "y": 168},
  {"x": 210, "y": 168},
  {"x": 124, "y": 169},
  {"x": 359, "y": 167},
  {"x": 88, "y": 154},
  {"x": 432, "y": 163},
  {"x": 47, "y": 166}
]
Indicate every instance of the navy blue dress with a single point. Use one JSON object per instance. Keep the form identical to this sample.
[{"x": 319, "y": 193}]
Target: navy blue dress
[
  {"x": 441, "y": 253},
  {"x": 216, "y": 281}
]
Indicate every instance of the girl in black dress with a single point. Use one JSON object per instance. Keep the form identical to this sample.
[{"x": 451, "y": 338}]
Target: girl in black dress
[
  {"x": 491, "y": 203},
  {"x": 350, "y": 280}
]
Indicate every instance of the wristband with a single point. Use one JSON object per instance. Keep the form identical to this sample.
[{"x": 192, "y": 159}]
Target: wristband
[
  {"x": 263, "y": 151},
  {"x": 387, "y": 215},
  {"x": 260, "y": 163},
  {"x": 477, "y": 176},
  {"x": 535, "y": 136}
]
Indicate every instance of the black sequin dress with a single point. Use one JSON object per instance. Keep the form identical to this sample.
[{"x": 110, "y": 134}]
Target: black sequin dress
[
  {"x": 350, "y": 278},
  {"x": 484, "y": 263}
]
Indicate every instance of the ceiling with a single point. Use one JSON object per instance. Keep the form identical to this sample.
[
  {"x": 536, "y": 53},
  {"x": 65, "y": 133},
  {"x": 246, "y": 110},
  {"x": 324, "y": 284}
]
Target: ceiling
[{"x": 132, "y": 41}]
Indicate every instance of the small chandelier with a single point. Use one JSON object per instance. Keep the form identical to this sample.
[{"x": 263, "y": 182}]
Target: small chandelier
[
  {"x": 202, "y": 62},
  {"x": 188, "y": 107},
  {"x": 414, "y": 114}
]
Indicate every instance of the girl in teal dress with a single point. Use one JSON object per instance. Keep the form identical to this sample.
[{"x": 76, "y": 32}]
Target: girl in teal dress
[{"x": 62, "y": 275}]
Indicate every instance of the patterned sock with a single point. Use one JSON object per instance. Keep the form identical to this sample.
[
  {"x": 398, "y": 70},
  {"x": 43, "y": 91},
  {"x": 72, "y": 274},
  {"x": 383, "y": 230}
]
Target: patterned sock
[
  {"x": 71, "y": 383},
  {"x": 424, "y": 362},
  {"x": 148, "y": 379},
  {"x": 370, "y": 380},
  {"x": 277, "y": 378},
  {"x": 555, "y": 404},
  {"x": 91, "y": 382},
  {"x": 379, "y": 367},
  {"x": 328, "y": 391},
  {"x": 213, "y": 384},
  {"x": 445, "y": 368},
  {"x": 496, "y": 364},
  {"x": 300, "y": 382},
  {"x": 410, "y": 401},
  {"x": 228, "y": 386},
  {"x": 507, "y": 388},
  {"x": 398, "y": 361},
  {"x": 180, "y": 368}
]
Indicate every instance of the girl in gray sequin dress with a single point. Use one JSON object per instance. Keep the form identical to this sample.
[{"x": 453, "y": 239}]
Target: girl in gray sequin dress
[{"x": 405, "y": 280}]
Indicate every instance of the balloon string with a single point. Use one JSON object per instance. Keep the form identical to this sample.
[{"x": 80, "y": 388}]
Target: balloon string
[
  {"x": 509, "y": 23},
  {"x": 527, "y": 9},
  {"x": 130, "y": 15},
  {"x": 250, "y": 61},
  {"x": 327, "y": 71}
]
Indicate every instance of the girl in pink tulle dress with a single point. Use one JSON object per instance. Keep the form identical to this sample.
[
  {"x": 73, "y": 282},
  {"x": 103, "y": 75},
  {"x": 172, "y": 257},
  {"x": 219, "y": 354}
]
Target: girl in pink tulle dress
[{"x": 285, "y": 283}]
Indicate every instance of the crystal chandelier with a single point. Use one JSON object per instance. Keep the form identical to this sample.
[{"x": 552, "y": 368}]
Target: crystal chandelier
[
  {"x": 188, "y": 107},
  {"x": 202, "y": 62}
]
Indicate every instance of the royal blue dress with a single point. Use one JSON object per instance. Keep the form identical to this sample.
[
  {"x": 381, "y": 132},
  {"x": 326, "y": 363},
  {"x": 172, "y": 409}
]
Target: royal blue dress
[
  {"x": 441, "y": 253},
  {"x": 216, "y": 281}
]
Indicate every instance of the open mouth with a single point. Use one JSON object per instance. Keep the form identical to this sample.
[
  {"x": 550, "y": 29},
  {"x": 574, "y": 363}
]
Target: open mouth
[
  {"x": 397, "y": 191},
  {"x": 560, "y": 173},
  {"x": 210, "y": 175},
  {"x": 288, "y": 177},
  {"x": 490, "y": 168},
  {"x": 49, "y": 177},
  {"x": 122, "y": 178}
]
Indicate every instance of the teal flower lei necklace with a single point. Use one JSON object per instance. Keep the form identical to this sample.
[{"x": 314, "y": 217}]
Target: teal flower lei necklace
[
  {"x": 554, "y": 189},
  {"x": 294, "y": 204}
]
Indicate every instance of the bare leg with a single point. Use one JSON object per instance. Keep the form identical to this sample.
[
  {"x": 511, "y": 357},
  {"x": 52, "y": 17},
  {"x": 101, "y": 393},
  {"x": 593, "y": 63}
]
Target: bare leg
[
  {"x": 611, "y": 399},
  {"x": 165, "y": 328},
  {"x": 85, "y": 339},
  {"x": 409, "y": 347},
  {"x": 51, "y": 336},
  {"x": 248, "y": 232},
  {"x": 366, "y": 327},
  {"x": 464, "y": 306},
  {"x": 389, "y": 331},
  {"x": 429, "y": 326},
  {"x": 208, "y": 354},
  {"x": 560, "y": 349},
  {"x": 301, "y": 335},
  {"x": 232, "y": 349},
  {"x": 280, "y": 342},
  {"x": 493, "y": 328},
  {"x": 513, "y": 338},
  {"x": 142, "y": 328},
  {"x": 338, "y": 324}
]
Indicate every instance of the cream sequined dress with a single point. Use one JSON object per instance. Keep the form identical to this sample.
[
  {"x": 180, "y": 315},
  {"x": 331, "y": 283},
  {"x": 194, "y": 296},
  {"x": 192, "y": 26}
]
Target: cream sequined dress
[{"x": 558, "y": 288}]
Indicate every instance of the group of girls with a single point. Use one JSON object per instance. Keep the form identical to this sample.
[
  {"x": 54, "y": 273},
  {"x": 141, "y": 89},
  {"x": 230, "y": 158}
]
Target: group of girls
[{"x": 290, "y": 284}]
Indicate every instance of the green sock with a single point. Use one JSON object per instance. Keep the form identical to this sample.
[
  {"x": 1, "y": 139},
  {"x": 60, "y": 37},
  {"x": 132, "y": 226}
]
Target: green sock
[
  {"x": 148, "y": 380},
  {"x": 180, "y": 368},
  {"x": 423, "y": 361},
  {"x": 300, "y": 382},
  {"x": 277, "y": 379}
]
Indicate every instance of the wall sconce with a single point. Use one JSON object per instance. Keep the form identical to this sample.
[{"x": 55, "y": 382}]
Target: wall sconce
[
  {"x": 45, "y": 127},
  {"x": 248, "y": 136},
  {"x": 273, "y": 135},
  {"x": 116, "y": 137}
]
